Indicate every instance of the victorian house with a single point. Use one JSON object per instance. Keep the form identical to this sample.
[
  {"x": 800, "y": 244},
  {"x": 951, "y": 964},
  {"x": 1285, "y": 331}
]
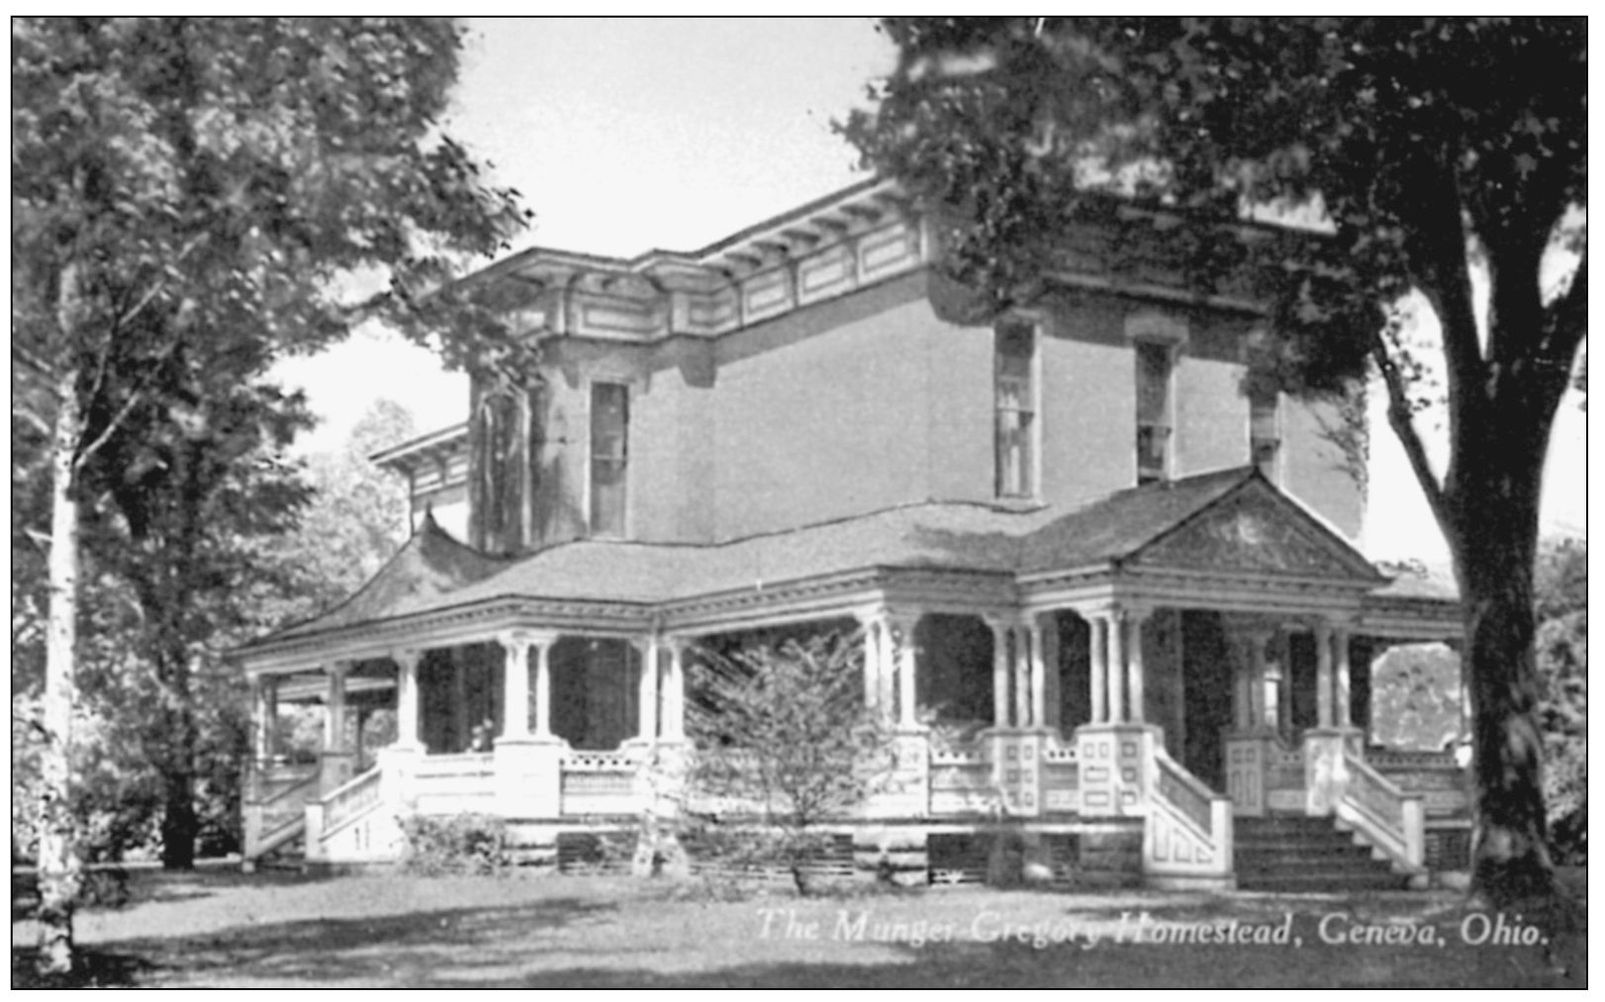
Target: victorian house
[{"x": 1110, "y": 604}]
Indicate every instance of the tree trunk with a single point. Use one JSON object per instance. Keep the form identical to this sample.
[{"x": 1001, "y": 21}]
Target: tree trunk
[
  {"x": 179, "y": 822},
  {"x": 1494, "y": 533},
  {"x": 60, "y": 870}
]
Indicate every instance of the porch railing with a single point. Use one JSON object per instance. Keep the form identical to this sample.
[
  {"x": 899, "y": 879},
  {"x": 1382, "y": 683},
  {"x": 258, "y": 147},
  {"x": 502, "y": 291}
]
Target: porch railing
[
  {"x": 1440, "y": 781},
  {"x": 1061, "y": 775},
  {"x": 1387, "y": 760},
  {"x": 454, "y": 784},
  {"x": 601, "y": 782},
  {"x": 1188, "y": 831},
  {"x": 1384, "y": 815},
  {"x": 961, "y": 780}
]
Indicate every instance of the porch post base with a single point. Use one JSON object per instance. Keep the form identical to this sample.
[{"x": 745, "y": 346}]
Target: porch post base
[
  {"x": 529, "y": 777},
  {"x": 1326, "y": 777},
  {"x": 1116, "y": 760}
]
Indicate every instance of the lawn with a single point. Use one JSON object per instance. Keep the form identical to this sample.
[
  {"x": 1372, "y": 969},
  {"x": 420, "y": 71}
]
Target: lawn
[{"x": 218, "y": 928}]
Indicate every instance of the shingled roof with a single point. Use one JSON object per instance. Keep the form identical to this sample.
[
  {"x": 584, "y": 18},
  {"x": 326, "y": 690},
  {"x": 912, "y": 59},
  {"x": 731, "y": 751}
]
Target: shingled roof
[
  {"x": 434, "y": 571},
  {"x": 430, "y": 565}
]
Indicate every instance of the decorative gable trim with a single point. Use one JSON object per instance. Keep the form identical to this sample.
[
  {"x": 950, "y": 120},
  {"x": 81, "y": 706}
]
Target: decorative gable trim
[{"x": 1253, "y": 529}]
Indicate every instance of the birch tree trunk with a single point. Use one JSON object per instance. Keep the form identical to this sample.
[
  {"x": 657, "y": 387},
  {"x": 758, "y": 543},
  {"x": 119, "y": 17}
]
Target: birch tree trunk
[{"x": 59, "y": 866}]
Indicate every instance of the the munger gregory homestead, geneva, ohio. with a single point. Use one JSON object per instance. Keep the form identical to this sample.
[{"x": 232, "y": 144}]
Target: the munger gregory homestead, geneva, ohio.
[{"x": 1108, "y": 602}]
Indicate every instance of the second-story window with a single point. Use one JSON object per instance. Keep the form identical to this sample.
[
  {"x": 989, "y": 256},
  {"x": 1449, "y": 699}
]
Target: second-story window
[
  {"x": 610, "y": 430},
  {"x": 1016, "y": 410},
  {"x": 1153, "y": 411},
  {"x": 1264, "y": 432}
]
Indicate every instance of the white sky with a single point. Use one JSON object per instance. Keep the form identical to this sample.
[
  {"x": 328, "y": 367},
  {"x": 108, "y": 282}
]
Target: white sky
[{"x": 624, "y": 135}]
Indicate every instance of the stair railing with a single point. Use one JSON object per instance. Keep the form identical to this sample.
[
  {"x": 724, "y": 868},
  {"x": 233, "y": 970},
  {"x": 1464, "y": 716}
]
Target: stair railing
[
  {"x": 1385, "y": 815},
  {"x": 1188, "y": 830},
  {"x": 276, "y": 819},
  {"x": 348, "y": 802}
]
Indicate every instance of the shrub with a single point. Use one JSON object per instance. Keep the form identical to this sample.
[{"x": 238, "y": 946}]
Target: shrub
[
  {"x": 460, "y": 843},
  {"x": 784, "y": 744}
]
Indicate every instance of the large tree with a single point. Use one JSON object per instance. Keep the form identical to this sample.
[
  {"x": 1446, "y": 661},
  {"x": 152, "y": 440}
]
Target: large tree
[
  {"x": 1422, "y": 153},
  {"x": 212, "y": 191},
  {"x": 178, "y": 562}
]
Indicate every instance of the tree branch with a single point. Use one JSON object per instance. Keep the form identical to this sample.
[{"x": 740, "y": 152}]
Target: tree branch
[
  {"x": 111, "y": 426},
  {"x": 38, "y": 423},
  {"x": 1566, "y": 322},
  {"x": 1438, "y": 265},
  {"x": 1400, "y": 419},
  {"x": 161, "y": 283}
]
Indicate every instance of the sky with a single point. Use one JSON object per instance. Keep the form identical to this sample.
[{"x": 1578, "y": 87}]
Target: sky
[{"x": 625, "y": 135}]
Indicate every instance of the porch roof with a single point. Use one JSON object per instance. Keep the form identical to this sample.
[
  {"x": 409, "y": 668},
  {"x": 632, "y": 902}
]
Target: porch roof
[{"x": 1231, "y": 519}]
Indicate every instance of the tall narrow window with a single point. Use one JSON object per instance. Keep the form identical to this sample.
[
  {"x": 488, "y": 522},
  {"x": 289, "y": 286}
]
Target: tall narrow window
[
  {"x": 610, "y": 427},
  {"x": 1153, "y": 411},
  {"x": 1016, "y": 410},
  {"x": 1264, "y": 432}
]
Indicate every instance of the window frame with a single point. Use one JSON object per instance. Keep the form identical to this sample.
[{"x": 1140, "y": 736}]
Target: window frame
[
  {"x": 1170, "y": 350},
  {"x": 1257, "y": 401},
  {"x": 1031, "y": 438},
  {"x": 622, "y": 460}
]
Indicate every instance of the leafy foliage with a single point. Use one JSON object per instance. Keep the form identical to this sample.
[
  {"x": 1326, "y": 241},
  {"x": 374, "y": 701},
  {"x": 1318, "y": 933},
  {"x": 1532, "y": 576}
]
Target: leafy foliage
[
  {"x": 356, "y": 517},
  {"x": 456, "y": 843},
  {"x": 783, "y": 743},
  {"x": 1414, "y": 153},
  {"x": 192, "y": 199},
  {"x": 1415, "y": 698},
  {"x": 1562, "y": 588}
]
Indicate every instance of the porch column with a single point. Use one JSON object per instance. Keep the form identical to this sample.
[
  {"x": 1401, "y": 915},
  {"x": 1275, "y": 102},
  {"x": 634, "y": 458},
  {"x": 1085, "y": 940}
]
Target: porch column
[
  {"x": 515, "y": 685},
  {"x": 1323, "y": 675},
  {"x": 886, "y": 663},
  {"x": 1135, "y": 617},
  {"x": 543, "y": 683},
  {"x": 1117, "y": 665},
  {"x": 335, "y": 762},
  {"x": 265, "y": 707},
  {"x": 1340, "y": 688},
  {"x": 870, "y": 624},
  {"x": 1022, "y": 674},
  {"x": 674, "y": 691},
  {"x": 1098, "y": 641},
  {"x": 334, "y": 708},
  {"x": 1000, "y": 671},
  {"x": 650, "y": 649},
  {"x": 902, "y": 629},
  {"x": 406, "y": 697},
  {"x": 1256, "y": 679},
  {"x": 1039, "y": 673}
]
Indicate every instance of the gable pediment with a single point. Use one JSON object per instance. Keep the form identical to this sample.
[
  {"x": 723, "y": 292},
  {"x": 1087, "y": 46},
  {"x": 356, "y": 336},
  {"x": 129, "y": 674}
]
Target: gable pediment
[{"x": 1256, "y": 530}]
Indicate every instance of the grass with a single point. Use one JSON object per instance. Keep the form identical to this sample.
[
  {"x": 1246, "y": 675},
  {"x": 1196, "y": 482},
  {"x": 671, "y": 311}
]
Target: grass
[{"x": 220, "y": 929}]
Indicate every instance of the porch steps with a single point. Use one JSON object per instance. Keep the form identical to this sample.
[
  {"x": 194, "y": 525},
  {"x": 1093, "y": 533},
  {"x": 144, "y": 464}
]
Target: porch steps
[
  {"x": 1305, "y": 855},
  {"x": 286, "y": 857}
]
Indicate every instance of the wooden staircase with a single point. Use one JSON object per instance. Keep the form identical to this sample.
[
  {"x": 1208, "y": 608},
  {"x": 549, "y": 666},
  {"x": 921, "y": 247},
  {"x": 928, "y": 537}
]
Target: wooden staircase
[{"x": 1295, "y": 854}]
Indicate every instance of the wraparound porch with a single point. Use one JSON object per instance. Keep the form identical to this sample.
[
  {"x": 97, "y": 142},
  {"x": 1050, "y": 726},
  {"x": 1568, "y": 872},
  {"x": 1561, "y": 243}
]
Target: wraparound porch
[{"x": 1059, "y": 730}]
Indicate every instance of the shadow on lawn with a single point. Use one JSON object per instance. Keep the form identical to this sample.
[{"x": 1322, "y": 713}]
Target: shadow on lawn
[
  {"x": 512, "y": 946},
  {"x": 384, "y": 949}
]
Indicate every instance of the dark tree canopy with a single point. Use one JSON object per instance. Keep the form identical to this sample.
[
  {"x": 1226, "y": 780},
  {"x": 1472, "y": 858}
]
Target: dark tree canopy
[{"x": 1415, "y": 152}]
